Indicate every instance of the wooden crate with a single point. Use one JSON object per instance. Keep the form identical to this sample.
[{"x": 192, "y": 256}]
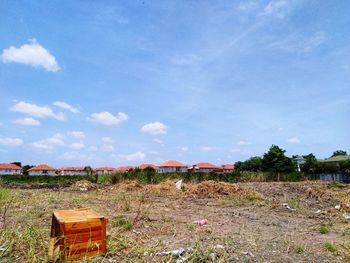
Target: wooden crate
[{"x": 77, "y": 234}]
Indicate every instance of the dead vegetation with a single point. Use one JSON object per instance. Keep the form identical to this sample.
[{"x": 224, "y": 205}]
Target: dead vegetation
[{"x": 247, "y": 222}]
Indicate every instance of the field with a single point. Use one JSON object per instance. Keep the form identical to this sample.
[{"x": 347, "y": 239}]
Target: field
[{"x": 247, "y": 222}]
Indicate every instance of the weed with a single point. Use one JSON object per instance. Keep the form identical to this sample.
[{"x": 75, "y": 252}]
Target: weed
[
  {"x": 299, "y": 250},
  {"x": 125, "y": 203},
  {"x": 324, "y": 228},
  {"x": 122, "y": 222},
  {"x": 331, "y": 247}
]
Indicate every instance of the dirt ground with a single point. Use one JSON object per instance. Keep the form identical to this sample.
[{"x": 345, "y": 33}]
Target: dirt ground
[{"x": 247, "y": 222}]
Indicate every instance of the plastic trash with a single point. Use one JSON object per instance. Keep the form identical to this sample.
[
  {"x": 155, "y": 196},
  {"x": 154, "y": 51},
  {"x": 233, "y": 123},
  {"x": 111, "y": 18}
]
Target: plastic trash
[
  {"x": 346, "y": 216},
  {"x": 201, "y": 222},
  {"x": 176, "y": 252},
  {"x": 337, "y": 207},
  {"x": 178, "y": 184},
  {"x": 288, "y": 207}
]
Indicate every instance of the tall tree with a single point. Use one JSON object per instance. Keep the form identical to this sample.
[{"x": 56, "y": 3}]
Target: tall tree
[
  {"x": 339, "y": 152},
  {"x": 275, "y": 161}
]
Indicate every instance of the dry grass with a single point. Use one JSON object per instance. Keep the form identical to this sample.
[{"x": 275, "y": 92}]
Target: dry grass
[{"x": 247, "y": 222}]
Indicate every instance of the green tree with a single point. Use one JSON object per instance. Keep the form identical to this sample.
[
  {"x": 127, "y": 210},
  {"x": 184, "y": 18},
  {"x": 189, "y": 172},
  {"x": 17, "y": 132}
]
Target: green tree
[
  {"x": 253, "y": 164},
  {"x": 276, "y": 162},
  {"x": 310, "y": 166},
  {"x": 339, "y": 152}
]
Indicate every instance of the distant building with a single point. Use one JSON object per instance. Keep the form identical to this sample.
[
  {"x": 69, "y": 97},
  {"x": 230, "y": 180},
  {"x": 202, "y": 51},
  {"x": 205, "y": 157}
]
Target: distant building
[
  {"x": 125, "y": 168},
  {"x": 172, "y": 166},
  {"x": 299, "y": 160},
  {"x": 204, "y": 168},
  {"x": 144, "y": 166},
  {"x": 73, "y": 171},
  {"x": 42, "y": 169},
  {"x": 227, "y": 168},
  {"x": 9, "y": 168},
  {"x": 104, "y": 170}
]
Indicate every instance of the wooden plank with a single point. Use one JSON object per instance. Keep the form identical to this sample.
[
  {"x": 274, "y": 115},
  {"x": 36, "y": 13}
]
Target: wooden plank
[
  {"x": 84, "y": 255},
  {"x": 83, "y": 230},
  {"x": 83, "y": 237},
  {"x": 83, "y": 248}
]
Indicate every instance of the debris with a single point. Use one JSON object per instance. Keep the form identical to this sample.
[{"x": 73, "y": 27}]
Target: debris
[
  {"x": 176, "y": 252},
  {"x": 4, "y": 247},
  {"x": 250, "y": 254},
  {"x": 212, "y": 256},
  {"x": 201, "y": 222},
  {"x": 83, "y": 186},
  {"x": 178, "y": 184},
  {"x": 288, "y": 207},
  {"x": 337, "y": 207},
  {"x": 219, "y": 247},
  {"x": 318, "y": 211},
  {"x": 346, "y": 216}
]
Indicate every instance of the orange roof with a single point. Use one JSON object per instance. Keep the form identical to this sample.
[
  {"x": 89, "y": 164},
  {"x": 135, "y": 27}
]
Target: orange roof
[
  {"x": 42, "y": 167},
  {"x": 228, "y": 167},
  {"x": 105, "y": 169},
  {"x": 143, "y": 166},
  {"x": 207, "y": 165},
  {"x": 72, "y": 169},
  {"x": 9, "y": 166},
  {"x": 124, "y": 168},
  {"x": 172, "y": 163}
]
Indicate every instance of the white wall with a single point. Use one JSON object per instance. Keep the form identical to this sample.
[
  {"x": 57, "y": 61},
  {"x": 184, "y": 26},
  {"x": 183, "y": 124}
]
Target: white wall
[
  {"x": 42, "y": 172},
  {"x": 172, "y": 169},
  {"x": 82, "y": 172},
  {"x": 10, "y": 171}
]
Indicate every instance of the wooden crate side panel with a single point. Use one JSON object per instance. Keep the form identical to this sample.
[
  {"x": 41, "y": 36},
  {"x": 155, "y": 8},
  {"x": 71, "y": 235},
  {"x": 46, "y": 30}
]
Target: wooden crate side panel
[{"x": 83, "y": 237}]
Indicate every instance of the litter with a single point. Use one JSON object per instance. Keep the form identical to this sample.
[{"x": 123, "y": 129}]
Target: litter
[
  {"x": 176, "y": 252},
  {"x": 318, "y": 211},
  {"x": 337, "y": 207},
  {"x": 346, "y": 216},
  {"x": 288, "y": 207},
  {"x": 219, "y": 247},
  {"x": 178, "y": 184},
  {"x": 201, "y": 222}
]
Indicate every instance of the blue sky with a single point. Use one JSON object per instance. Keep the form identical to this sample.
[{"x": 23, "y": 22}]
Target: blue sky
[{"x": 128, "y": 82}]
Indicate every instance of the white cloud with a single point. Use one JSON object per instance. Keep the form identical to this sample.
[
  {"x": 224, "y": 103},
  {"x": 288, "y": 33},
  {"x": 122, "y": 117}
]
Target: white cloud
[
  {"x": 76, "y": 134},
  {"x": 36, "y": 111},
  {"x": 50, "y": 143},
  {"x": 77, "y": 145},
  {"x": 11, "y": 141},
  {"x": 241, "y": 152},
  {"x": 31, "y": 54},
  {"x": 242, "y": 142},
  {"x": 107, "y": 118},
  {"x": 159, "y": 141},
  {"x": 293, "y": 140},
  {"x": 184, "y": 149},
  {"x": 74, "y": 155},
  {"x": 65, "y": 106},
  {"x": 27, "y": 122},
  {"x": 92, "y": 148},
  {"x": 107, "y": 140},
  {"x": 206, "y": 149},
  {"x": 277, "y": 8},
  {"x": 107, "y": 148},
  {"x": 154, "y": 128},
  {"x": 185, "y": 60},
  {"x": 133, "y": 157},
  {"x": 300, "y": 44}
]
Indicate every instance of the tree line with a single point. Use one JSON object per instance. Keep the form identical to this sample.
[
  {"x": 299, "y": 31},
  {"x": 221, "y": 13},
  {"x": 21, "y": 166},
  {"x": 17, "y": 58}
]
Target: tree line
[{"x": 275, "y": 161}]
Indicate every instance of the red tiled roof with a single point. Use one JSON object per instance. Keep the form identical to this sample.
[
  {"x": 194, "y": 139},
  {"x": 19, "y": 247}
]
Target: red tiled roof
[
  {"x": 124, "y": 168},
  {"x": 172, "y": 163},
  {"x": 206, "y": 165},
  {"x": 105, "y": 169},
  {"x": 42, "y": 167},
  {"x": 143, "y": 166},
  {"x": 228, "y": 167},
  {"x": 72, "y": 169},
  {"x": 9, "y": 166}
]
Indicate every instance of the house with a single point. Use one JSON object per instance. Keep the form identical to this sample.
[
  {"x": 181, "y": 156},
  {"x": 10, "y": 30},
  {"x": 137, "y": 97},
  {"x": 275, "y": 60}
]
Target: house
[
  {"x": 124, "y": 168},
  {"x": 299, "y": 160},
  {"x": 42, "y": 169},
  {"x": 144, "y": 166},
  {"x": 227, "y": 168},
  {"x": 104, "y": 170},
  {"x": 204, "y": 168},
  {"x": 171, "y": 167},
  {"x": 9, "y": 168},
  {"x": 73, "y": 171}
]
